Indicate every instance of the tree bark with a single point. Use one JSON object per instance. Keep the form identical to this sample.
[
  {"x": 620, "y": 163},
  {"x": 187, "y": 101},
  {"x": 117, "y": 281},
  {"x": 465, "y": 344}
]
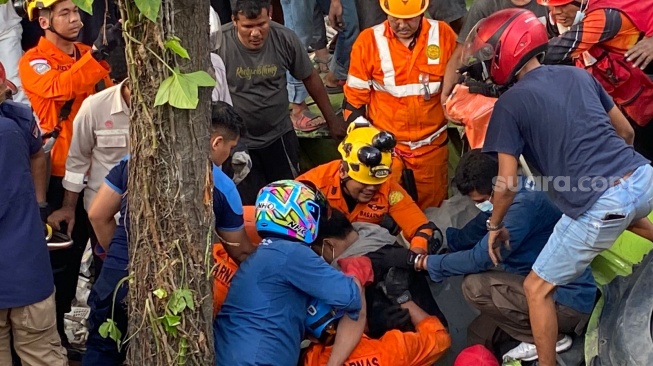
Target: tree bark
[{"x": 169, "y": 199}]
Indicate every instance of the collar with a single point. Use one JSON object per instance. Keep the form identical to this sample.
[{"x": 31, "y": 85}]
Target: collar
[
  {"x": 424, "y": 32},
  {"x": 118, "y": 105},
  {"x": 50, "y": 49}
]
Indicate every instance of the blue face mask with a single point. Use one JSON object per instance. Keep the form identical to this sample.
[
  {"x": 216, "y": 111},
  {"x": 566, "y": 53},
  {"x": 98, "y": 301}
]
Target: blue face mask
[{"x": 485, "y": 206}]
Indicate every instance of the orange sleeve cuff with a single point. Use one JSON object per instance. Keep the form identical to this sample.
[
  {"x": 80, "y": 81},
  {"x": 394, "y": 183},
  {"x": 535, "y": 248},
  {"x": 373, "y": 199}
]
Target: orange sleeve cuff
[{"x": 419, "y": 243}]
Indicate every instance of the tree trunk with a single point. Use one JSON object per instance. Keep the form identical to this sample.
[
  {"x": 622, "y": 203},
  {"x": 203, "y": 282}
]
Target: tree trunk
[{"x": 169, "y": 192}]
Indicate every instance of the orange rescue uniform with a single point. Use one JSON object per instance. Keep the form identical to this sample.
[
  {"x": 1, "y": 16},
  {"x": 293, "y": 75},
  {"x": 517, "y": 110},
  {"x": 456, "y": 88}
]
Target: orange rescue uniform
[
  {"x": 421, "y": 348},
  {"x": 390, "y": 199},
  {"x": 50, "y": 78},
  {"x": 401, "y": 90},
  {"x": 223, "y": 271}
]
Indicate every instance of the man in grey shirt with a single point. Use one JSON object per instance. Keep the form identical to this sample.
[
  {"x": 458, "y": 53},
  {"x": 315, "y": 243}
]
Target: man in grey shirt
[
  {"x": 257, "y": 54},
  {"x": 481, "y": 9}
]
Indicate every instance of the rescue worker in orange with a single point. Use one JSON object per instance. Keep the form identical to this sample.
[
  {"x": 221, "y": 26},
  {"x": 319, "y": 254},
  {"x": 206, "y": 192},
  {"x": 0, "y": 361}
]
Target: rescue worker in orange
[
  {"x": 420, "y": 348},
  {"x": 394, "y": 80},
  {"x": 57, "y": 75},
  {"x": 359, "y": 184},
  {"x": 609, "y": 39}
]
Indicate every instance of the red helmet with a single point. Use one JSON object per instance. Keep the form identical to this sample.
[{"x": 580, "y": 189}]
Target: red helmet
[
  {"x": 6, "y": 82},
  {"x": 504, "y": 42}
]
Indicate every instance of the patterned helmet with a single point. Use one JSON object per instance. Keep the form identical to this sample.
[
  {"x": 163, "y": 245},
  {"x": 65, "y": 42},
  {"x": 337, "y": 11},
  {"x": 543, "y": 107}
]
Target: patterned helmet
[
  {"x": 321, "y": 322},
  {"x": 290, "y": 209}
]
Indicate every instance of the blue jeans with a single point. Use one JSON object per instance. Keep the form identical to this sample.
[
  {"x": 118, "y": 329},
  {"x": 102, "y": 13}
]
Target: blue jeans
[
  {"x": 574, "y": 243},
  {"x": 305, "y": 18},
  {"x": 296, "y": 17},
  {"x": 104, "y": 351}
]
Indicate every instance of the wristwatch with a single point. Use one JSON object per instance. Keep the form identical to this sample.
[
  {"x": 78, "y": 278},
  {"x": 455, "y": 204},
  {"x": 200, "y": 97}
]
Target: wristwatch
[
  {"x": 489, "y": 226},
  {"x": 404, "y": 298}
]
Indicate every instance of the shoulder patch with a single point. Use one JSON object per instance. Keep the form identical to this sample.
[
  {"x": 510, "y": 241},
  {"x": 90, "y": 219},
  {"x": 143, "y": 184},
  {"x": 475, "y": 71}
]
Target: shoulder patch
[
  {"x": 395, "y": 197},
  {"x": 41, "y": 66},
  {"x": 36, "y": 131}
]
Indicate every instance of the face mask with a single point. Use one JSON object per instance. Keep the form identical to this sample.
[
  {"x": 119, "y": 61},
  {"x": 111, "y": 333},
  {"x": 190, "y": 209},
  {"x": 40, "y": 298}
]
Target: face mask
[
  {"x": 485, "y": 206},
  {"x": 579, "y": 16}
]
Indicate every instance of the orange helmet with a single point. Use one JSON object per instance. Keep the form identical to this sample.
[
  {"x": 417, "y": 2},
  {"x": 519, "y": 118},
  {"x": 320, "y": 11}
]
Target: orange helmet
[{"x": 404, "y": 9}]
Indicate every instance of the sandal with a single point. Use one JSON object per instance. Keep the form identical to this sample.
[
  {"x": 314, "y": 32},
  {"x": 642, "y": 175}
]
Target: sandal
[{"x": 308, "y": 122}]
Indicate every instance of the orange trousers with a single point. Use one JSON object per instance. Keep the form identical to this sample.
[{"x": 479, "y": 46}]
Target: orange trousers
[{"x": 430, "y": 168}]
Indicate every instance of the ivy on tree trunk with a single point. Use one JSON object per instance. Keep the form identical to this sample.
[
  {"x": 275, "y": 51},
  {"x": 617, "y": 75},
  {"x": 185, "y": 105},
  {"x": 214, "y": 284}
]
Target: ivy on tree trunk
[{"x": 169, "y": 196}]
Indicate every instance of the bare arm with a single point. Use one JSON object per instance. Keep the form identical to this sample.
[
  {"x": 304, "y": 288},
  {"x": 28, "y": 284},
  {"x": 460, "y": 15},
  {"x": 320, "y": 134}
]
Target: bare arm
[
  {"x": 39, "y": 167},
  {"x": 451, "y": 74},
  {"x": 315, "y": 88},
  {"x": 505, "y": 189},
  {"x": 416, "y": 313},
  {"x": 238, "y": 252},
  {"x": 104, "y": 207},
  {"x": 621, "y": 125},
  {"x": 348, "y": 334}
]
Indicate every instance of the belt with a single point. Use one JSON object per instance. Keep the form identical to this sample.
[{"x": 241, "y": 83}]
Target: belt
[
  {"x": 626, "y": 176},
  {"x": 426, "y": 141}
]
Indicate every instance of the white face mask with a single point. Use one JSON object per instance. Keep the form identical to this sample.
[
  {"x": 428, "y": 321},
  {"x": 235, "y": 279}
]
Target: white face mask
[{"x": 485, "y": 206}]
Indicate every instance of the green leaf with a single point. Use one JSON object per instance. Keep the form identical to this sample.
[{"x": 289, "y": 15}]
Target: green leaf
[
  {"x": 104, "y": 329},
  {"x": 172, "y": 320},
  {"x": 183, "y": 92},
  {"x": 177, "y": 303},
  {"x": 85, "y": 5},
  {"x": 201, "y": 78},
  {"x": 160, "y": 293},
  {"x": 149, "y": 8},
  {"x": 163, "y": 94},
  {"x": 175, "y": 46},
  {"x": 188, "y": 298},
  {"x": 3, "y": 2},
  {"x": 110, "y": 329}
]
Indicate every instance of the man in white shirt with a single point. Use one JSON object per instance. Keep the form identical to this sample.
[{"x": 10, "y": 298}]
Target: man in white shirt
[{"x": 10, "y": 36}]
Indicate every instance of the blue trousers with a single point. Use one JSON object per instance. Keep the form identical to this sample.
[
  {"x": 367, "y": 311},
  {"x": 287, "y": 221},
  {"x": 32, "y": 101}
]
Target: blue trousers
[{"x": 104, "y": 351}]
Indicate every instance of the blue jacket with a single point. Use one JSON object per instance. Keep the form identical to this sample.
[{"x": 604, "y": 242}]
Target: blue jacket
[
  {"x": 262, "y": 319},
  {"x": 530, "y": 221}
]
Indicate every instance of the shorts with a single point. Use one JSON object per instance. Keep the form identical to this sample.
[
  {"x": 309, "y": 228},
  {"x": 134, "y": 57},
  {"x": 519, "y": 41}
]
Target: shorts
[{"x": 574, "y": 243}]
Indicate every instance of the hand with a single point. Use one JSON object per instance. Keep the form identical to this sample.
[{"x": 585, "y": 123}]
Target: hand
[
  {"x": 359, "y": 268},
  {"x": 486, "y": 89},
  {"x": 396, "y": 317},
  {"x": 397, "y": 283},
  {"x": 641, "y": 54},
  {"x": 113, "y": 34},
  {"x": 391, "y": 256},
  {"x": 64, "y": 214},
  {"x": 496, "y": 238},
  {"x": 337, "y": 128},
  {"x": 335, "y": 15}
]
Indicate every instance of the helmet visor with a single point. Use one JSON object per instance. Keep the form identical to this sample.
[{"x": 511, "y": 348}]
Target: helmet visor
[{"x": 475, "y": 49}]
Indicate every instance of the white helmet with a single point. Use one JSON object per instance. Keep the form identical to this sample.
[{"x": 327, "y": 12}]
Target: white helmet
[{"x": 215, "y": 33}]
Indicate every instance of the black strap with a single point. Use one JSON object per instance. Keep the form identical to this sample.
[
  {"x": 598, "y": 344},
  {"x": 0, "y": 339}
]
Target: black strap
[{"x": 64, "y": 113}]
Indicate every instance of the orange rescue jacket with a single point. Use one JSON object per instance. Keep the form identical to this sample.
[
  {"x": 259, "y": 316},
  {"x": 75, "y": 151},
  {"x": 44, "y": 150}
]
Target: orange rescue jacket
[
  {"x": 390, "y": 199},
  {"x": 391, "y": 80},
  {"x": 223, "y": 272},
  {"x": 421, "y": 348},
  {"x": 50, "y": 78}
]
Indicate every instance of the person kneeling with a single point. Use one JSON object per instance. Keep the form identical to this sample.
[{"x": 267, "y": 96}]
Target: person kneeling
[{"x": 499, "y": 294}]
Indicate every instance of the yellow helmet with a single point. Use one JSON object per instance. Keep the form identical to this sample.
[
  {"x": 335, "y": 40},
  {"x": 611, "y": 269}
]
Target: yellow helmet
[
  {"x": 32, "y": 5},
  {"x": 404, "y": 9},
  {"x": 367, "y": 152}
]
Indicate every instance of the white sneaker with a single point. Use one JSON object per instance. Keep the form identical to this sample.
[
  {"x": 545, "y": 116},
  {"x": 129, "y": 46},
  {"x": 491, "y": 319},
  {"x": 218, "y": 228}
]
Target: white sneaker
[{"x": 527, "y": 351}]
